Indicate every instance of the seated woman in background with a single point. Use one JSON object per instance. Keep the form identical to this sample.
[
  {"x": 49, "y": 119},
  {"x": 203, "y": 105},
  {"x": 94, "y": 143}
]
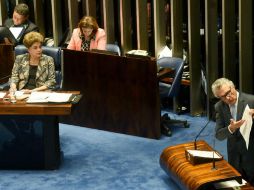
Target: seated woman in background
[
  {"x": 88, "y": 36},
  {"x": 33, "y": 71}
]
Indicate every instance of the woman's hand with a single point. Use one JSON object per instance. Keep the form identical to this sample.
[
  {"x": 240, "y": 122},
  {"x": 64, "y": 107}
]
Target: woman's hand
[
  {"x": 12, "y": 90},
  {"x": 27, "y": 91}
]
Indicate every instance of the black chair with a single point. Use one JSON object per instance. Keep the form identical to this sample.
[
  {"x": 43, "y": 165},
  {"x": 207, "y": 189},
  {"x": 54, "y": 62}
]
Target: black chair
[
  {"x": 170, "y": 68},
  {"x": 113, "y": 48},
  {"x": 55, "y": 53}
]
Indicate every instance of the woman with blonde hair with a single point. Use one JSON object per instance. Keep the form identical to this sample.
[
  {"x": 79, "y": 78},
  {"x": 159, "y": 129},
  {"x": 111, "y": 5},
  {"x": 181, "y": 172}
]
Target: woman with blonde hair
[
  {"x": 33, "y": 71},
  {"x": 88, "y": 36}
]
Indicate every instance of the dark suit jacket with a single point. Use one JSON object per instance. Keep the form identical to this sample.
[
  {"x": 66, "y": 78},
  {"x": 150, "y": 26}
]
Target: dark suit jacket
[
  {"x": 238, "y": 155},
  {"x": 29, "y": 27}
]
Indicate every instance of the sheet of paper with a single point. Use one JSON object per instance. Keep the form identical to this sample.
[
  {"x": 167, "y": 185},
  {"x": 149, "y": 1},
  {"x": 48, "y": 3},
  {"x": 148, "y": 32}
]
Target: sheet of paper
[
  {"x": 59, "y": 97},
  {"x": 247, "y": 125},
  {"x": 44, "y": 97},
  {"x": 2, "y": 94},
  {"x": 228, "y": 184},
  {"x": 16, "y": 31},
  {"x": 204, "y": 153},
  {"x": 19, "y": 93},
  {"x": 38, "y": 97}
]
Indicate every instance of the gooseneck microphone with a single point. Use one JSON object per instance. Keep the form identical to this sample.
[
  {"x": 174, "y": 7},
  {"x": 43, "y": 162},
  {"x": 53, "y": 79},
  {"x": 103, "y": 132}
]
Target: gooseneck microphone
[
  {"x": 2, "y": 87},
  {"x": 213, "y": 163},
  {"x": 8, "y": 76},
  {"x": 195, "y": 141}
]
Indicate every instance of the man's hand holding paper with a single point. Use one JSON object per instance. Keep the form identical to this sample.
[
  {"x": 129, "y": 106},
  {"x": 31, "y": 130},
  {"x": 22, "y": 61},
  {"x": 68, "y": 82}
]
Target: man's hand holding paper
[{"x": 247, "y": 125}]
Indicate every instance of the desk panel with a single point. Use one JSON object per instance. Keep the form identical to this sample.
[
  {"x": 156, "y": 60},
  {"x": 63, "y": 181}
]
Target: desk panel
[
  {"x": 29, "y": 142},
  {"x": 29, "y": 135},
  {"x": 6, "y": 62},
  {"x": 120, "y": 94}
]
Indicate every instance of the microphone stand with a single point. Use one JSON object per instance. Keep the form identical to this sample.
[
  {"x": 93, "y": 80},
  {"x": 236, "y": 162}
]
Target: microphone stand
[
  {"x": 195, "y": 141},
  {"x": 213, "y": 163},
  {"x": 8, "y": 76}
]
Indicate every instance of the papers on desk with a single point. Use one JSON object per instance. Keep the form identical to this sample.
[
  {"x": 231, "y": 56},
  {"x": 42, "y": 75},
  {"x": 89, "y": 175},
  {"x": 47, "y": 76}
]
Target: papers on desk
[
  {"x": 202, "y": 156},
  {"x": 204, "y": 153},
  {"x": 229, "y": 184},
  {"x": 49, "y": 97},
  {"x": 247, "y": 125},
  {"x": 2, "y": 94}
]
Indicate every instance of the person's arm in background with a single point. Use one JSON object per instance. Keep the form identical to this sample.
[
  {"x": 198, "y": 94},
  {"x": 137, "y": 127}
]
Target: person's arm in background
[
  {"x": 101, "y": 39},
  {"x": 73, "y": 44}
]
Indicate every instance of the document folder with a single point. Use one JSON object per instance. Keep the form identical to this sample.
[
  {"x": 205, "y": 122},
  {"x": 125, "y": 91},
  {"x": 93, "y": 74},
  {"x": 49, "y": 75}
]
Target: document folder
[{"x": 199, "y": 156}]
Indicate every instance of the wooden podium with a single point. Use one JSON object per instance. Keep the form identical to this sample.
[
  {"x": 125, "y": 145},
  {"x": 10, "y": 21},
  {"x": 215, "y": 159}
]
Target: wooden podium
[{"x": 196, "y": 177}]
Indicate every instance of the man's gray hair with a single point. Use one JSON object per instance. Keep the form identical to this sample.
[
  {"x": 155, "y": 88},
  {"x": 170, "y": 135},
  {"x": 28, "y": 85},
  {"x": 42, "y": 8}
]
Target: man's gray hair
[{"x": 219, "y": 83}]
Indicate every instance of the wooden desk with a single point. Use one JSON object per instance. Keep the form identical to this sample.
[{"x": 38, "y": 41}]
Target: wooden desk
[
  {"x": 120, "y": 94},
  {"x": 197, "y": 177},
  {"x": 29, "y": 135}
]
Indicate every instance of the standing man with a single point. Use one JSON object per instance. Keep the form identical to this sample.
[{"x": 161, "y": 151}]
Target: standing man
[
  {"x": 20, "y": 19},
  {"x": 229, "y": 111}
]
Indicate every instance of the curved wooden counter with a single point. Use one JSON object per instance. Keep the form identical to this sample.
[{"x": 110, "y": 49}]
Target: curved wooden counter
[{"x": 195, "y": 177}]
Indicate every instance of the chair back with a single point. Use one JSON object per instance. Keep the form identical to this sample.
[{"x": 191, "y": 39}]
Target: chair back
[
  {"x": 113, "y": 48},
  {"x": 55, "y": 53},
  {"x": 175, "y": 64}
]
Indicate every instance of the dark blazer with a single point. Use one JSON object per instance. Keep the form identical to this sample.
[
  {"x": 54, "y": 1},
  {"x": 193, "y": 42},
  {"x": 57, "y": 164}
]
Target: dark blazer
[
  {"x": 29, "y": 27},
  {"x": 238, "y": 155}
]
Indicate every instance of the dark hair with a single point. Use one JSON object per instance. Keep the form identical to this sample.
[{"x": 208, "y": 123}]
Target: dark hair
[
  {"x": 22, "y": 9},
  {"x": 88, "y": 22}
]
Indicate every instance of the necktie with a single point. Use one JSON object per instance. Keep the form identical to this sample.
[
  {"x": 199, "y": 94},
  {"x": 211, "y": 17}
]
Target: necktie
[{"x": 233, "y": 111}]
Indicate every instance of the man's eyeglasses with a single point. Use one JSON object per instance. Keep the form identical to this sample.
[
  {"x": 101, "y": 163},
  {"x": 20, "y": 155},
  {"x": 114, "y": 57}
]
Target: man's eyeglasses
[{"x": 227, "y": 94}]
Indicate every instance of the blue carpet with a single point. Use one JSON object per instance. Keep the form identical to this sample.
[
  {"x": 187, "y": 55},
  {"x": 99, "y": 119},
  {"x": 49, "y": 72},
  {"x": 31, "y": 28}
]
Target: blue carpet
[{"x": 100, "y": 160}]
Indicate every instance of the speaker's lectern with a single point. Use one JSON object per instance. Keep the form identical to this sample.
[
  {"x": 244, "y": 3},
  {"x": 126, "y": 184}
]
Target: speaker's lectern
[{"x": 196, "y": 177}]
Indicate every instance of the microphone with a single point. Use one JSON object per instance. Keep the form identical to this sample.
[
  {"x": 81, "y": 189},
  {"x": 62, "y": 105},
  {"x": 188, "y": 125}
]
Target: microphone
[
  {"x": 213, "y": 163},
  {"x": 3, "y": 85},
  {"x": 195, "y": 141},
  {"x": 8, "y": 76}
]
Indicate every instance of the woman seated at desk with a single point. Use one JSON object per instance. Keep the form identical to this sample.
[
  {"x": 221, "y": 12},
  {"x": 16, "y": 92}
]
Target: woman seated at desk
[
  {"x": 33, "y": 71},
  {"x": 88, "y": 36}
]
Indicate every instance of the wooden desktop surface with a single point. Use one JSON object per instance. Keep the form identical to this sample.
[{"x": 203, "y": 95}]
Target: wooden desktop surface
[
  {"x": 201, "y": 176},
  {"x": 23, "y": 108}
]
